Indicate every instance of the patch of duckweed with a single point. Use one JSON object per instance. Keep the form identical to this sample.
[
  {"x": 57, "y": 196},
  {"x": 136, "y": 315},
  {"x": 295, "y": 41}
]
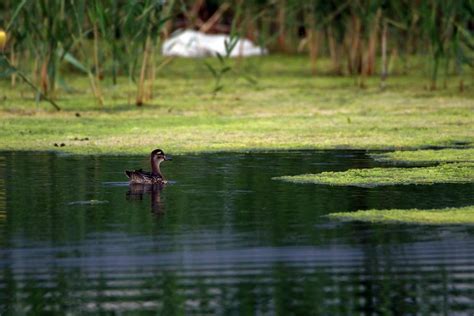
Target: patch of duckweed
[
  {"x": 447, "y": 216},
  {"x": 445, "y": 173},
  {"x": 426, "y": 156}
]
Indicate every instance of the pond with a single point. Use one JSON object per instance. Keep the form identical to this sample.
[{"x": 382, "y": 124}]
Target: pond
[{"x": 222, "y": 238}]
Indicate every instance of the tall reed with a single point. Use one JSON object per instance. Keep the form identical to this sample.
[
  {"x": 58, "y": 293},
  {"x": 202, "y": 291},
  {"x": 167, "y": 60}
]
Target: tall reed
[{"x": 108, "y": 38}]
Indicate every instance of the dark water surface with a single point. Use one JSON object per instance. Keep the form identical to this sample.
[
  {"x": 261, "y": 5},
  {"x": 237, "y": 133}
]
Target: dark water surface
[{"x": 222, "y": 239}]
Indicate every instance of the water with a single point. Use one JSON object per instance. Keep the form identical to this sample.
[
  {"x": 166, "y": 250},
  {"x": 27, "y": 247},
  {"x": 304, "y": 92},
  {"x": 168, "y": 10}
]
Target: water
[{"x": 222, "y": 238}]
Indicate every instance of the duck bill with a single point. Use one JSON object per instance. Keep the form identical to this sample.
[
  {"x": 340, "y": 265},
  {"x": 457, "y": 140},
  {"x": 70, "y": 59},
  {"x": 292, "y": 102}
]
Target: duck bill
[{"x": 168, "y": 158}]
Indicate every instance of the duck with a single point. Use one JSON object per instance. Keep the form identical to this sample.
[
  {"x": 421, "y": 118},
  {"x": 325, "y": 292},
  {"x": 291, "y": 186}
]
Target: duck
[{"x": 157, "y": 156}]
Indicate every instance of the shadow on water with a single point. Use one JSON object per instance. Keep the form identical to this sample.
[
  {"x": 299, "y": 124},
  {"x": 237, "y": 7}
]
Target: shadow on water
[{"x": 223, "y": 239}]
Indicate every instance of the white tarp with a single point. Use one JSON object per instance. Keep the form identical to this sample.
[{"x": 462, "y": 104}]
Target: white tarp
[{"x": 189, "y": 43}]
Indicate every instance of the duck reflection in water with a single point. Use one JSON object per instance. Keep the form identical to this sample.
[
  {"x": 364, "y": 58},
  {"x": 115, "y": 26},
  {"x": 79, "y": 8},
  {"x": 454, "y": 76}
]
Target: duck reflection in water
[{"x": 138, "y": 191}]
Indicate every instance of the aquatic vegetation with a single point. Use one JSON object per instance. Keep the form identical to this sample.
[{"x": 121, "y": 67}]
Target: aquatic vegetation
[
  {"x": 446, "y": 216},
  {"x": 445, "y": 173},
  {"x": 426, "y": 156},
  {"x": 283, "y": 111}
]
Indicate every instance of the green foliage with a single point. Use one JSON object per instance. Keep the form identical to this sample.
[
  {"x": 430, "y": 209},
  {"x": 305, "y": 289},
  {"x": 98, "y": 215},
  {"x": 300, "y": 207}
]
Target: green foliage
[
  {"x": 109, "y": 38},
  {"x": 218, "y": 72},
  {"x": 223, "y": 65},
  {"x": 443, "y": 24},
  {"x": 58, "y": 31},
  {"x": 6, "y": 69}
]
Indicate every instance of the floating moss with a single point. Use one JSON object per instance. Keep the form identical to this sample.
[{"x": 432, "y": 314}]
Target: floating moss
[
  {"x": 426, "y": 156},
  {"x": 445, "y": 173},
  {"x": 447, "y": 216}
]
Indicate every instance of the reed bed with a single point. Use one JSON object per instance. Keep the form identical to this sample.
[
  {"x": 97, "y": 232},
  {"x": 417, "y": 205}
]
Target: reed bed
[{"x": 42, "y": 42}]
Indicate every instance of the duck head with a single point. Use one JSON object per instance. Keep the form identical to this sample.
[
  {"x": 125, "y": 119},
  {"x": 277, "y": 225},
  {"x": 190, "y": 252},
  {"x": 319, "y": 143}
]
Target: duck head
[{"x": 158, "y": 156}]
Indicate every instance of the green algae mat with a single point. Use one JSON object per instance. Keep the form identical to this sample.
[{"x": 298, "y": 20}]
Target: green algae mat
[
  {"x": 426, "y": 156},
  {"x": 445, "y": 173},
  {"x": 447, "y": 216},
  {"x": 454, "y": 166}
]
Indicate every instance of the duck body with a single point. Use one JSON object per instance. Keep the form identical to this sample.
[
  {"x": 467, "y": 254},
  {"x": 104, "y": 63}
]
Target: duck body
[
  {"x": 143, "y": 177},
  {"x": 139, "y": 176}
]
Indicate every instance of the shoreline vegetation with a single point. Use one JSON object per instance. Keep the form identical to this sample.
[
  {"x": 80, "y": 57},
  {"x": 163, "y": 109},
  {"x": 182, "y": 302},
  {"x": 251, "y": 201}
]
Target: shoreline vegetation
[
  {"x": 351, "y": 75},
  {"x": 286, "y": 109}
]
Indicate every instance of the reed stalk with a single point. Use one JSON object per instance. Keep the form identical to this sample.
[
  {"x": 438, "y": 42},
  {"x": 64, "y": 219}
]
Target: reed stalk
[
  {"x": 95, "y": 32},
  {"x": 44, "y": 81},
  {"x": 354, "y": 49},
  {"x": 141, "y": 83},
  {"x": 151, "y": 73},
  {"x": 281, "y": 20},
  {"x": 384, "y": 72},
  {"x": 334, "y": 52},
  {"x": 96, "y": 79},
  {"x": 312, "y": 38},
  {"x": 372, "y": 45},
  {"x": 14, "y": 62}
]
